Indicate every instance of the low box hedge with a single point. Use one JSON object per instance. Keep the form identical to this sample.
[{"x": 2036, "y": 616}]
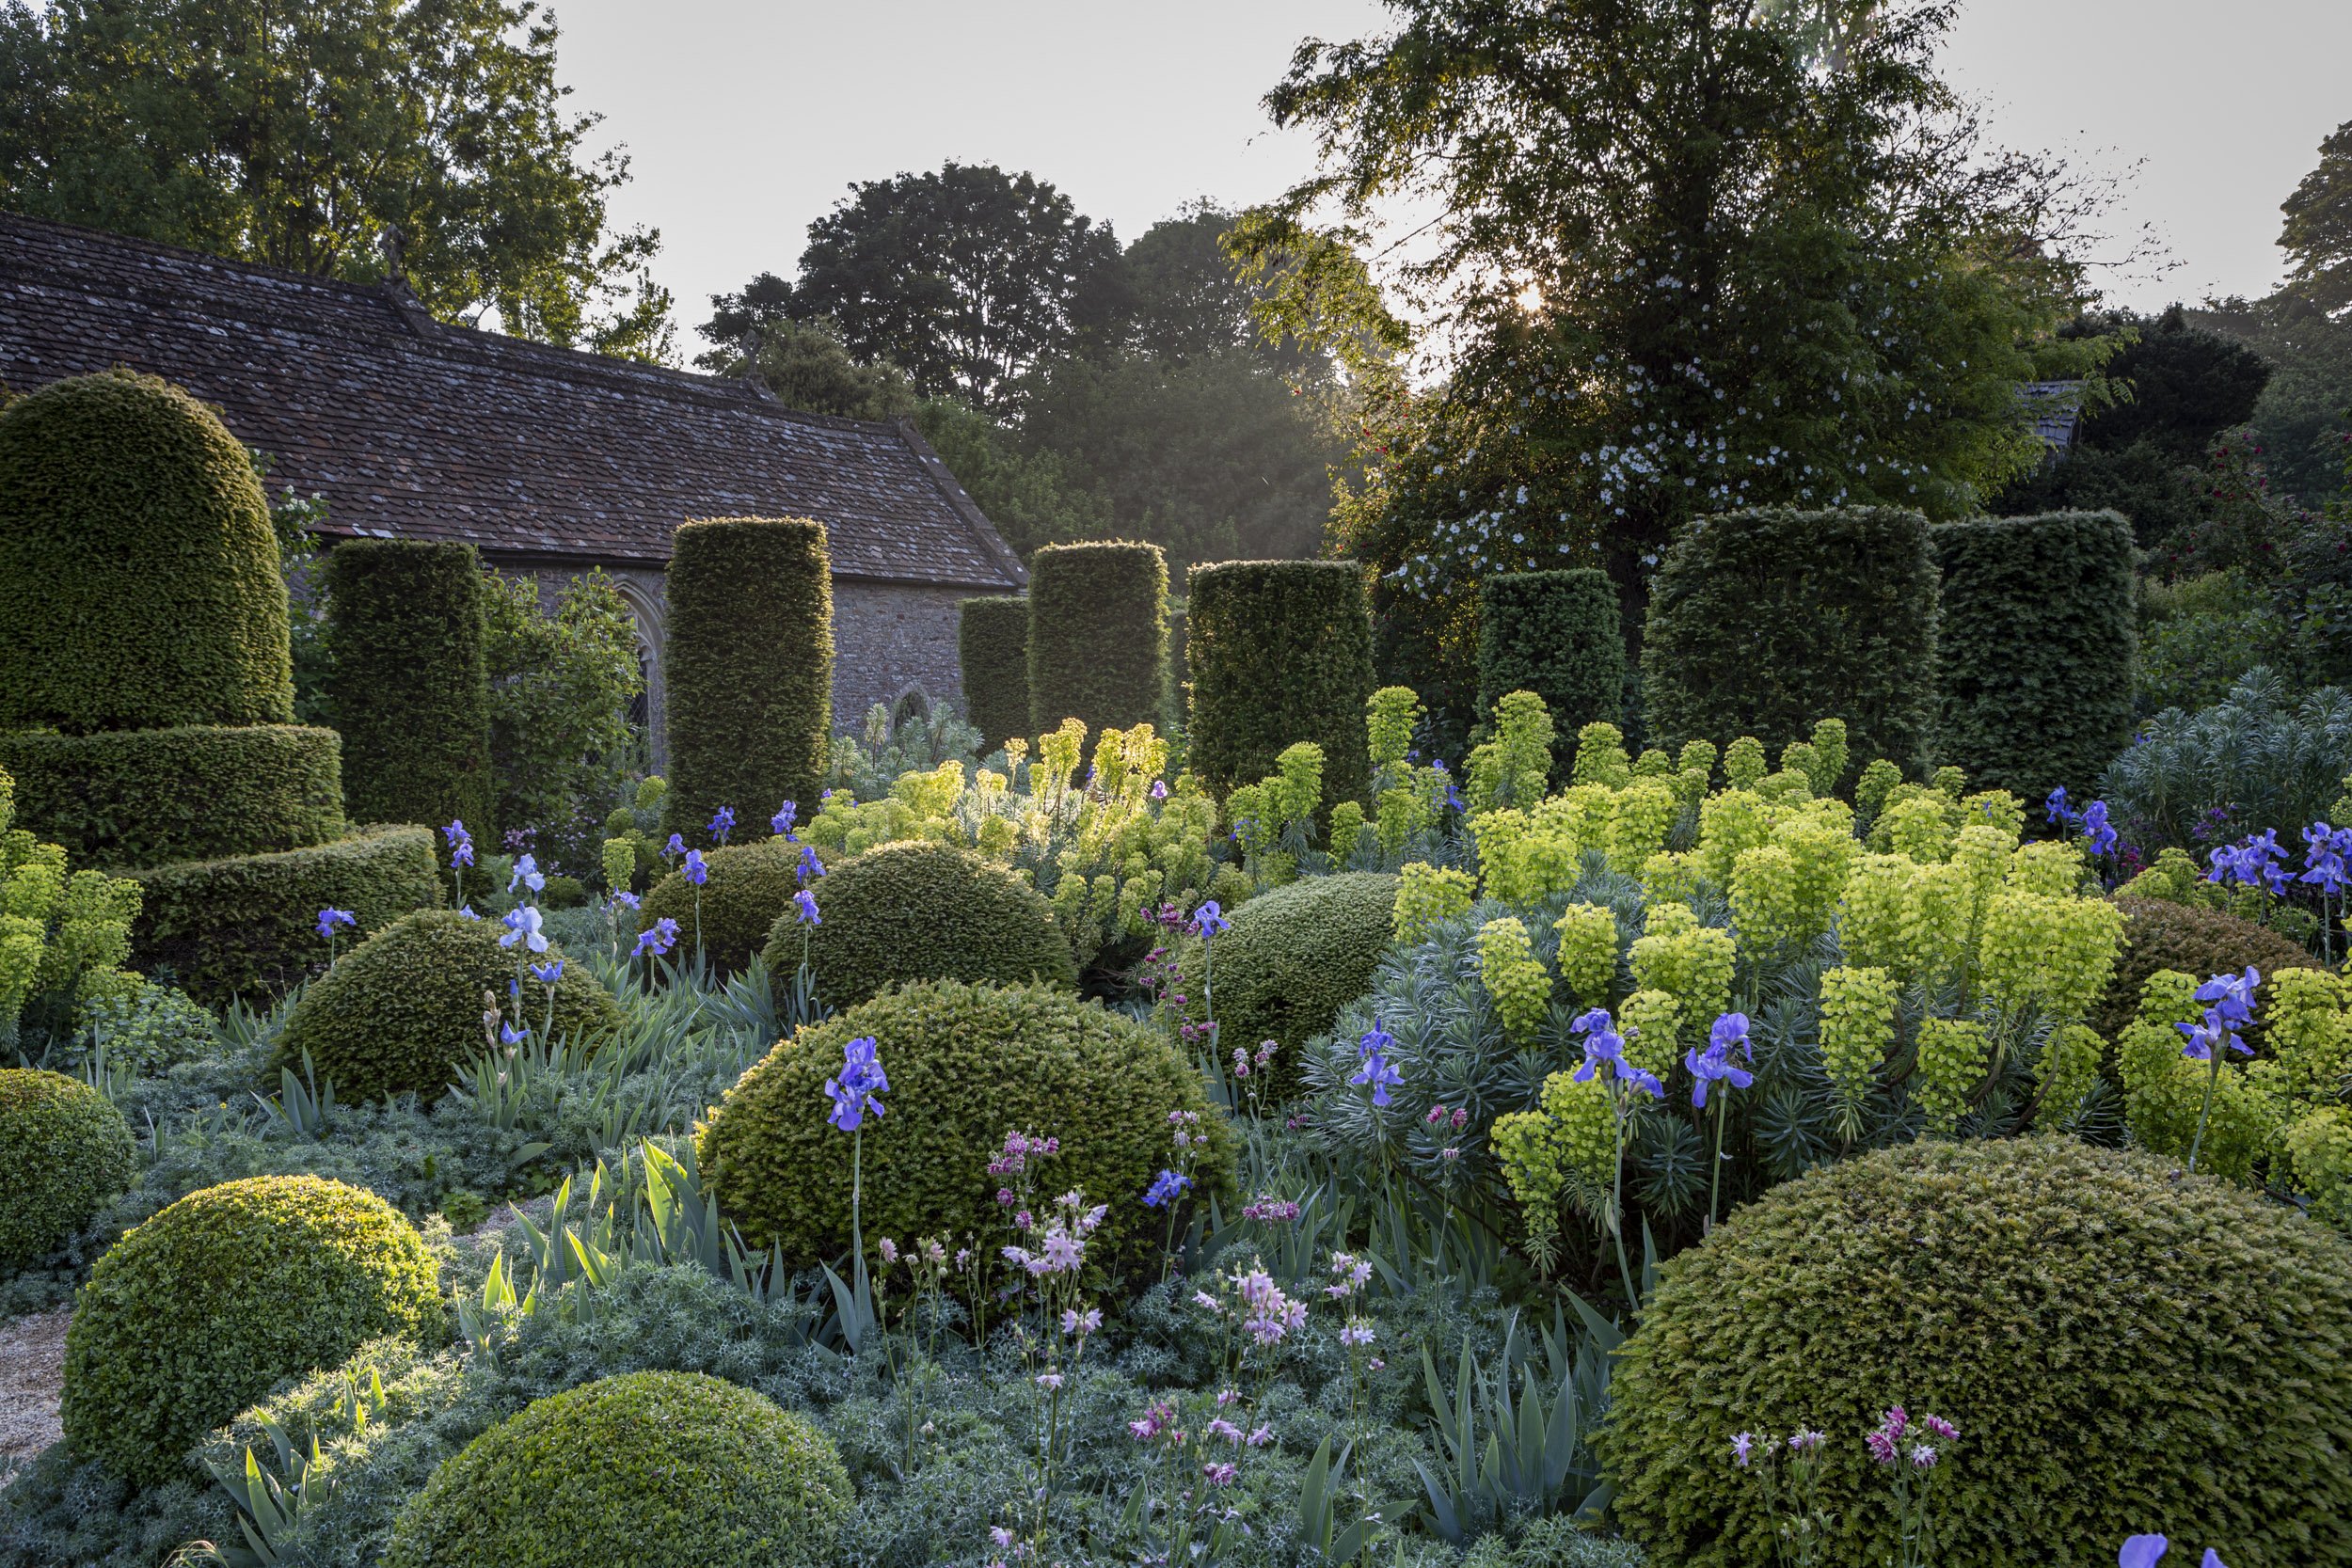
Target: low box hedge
[
  {"x": 247, "y": 925},
  {"x": 198, "y": 792}
]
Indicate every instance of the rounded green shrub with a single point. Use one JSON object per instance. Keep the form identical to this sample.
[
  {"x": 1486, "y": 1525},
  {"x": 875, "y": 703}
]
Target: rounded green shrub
[
  {"x": 966, "y": 1065},
  {"x": 1098, "y": 636},
  {"x": 1279, "y": 652},
  {"x": 139, "y": 584},
  {"x": 196, "y": 1313},
  {"x": 129, "y": 797},
  {"x": 64, "y": 1151},
  {"x": 402, "y": 1010},
  {"x": 411, "y": 688},
  {"x": 750, "y": 668},
  {"x": 2119, "y": 1347},
  {"x": 1294, "y": 956},
  {"x": 650, "y": 1470},
  {"x": 919, "y": 911},
  {"x": 992, "y": 653},
  {"x": 749, "y": 885},
  {"x": 2160, "y": 934}
]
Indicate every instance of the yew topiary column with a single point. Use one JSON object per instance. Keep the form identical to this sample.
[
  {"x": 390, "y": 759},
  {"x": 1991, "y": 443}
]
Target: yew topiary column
[
  {"x": 992, "y": 650},
  {"x": 1560, "y": 635},
  {"x": 411, "y": 691},
  {"x": 750, "y": 669},
  {"x": 1279, "y": 652},
  {"x": 1098, "y": 636}
]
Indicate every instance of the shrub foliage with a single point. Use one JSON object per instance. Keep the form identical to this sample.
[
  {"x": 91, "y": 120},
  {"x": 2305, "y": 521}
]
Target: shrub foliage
[
  {"x": 2034, "y": 649},
  {"x": 966, "y": 1064},
  {"x": 2160, "y": 934},
  {"x": 1762, "y": 622},
  {"x": 1560, "y": 635},
  {"x": 195, "y": 792},
  {"x": 140, "y": 583},
  {"x": 64, "y": 1151},
  {"x": 402, "y": 1010},
  {"x": 993, "y": 651},
  {"x": 2118, "y": 1346},
  {"x": 1293, "y": 958},
  {"x": 1279, "y": 652},
  {"x": 196, "y": 1313},
  {"x": 750, "y": 665},
  {"x": 411, "y": 691},
  {"x": 1098, "y": 636},
  {"x": 658, "y": 1469},
  {"x": 923, "y": 912}
]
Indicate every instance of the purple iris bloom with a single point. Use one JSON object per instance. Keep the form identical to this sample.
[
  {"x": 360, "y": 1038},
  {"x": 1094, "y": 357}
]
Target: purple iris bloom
[
  {"x": 1159, "y": 789},
  {"x": 1731, "y": 1029},
  {"x": 522, "y": 925},
  {"x": 2233, "y": 995},
  {"x": 1713, "y": 1066},
  {"x": 657, "y": 939},
  {"x": 329, "y": 919},
  {"x": 626, "y": 900},
  {"x": 2056, "y": 809},
  {"x": 856, "y": 1093},
  {"x": 2097, "y": 830},
  {"x": 781, "y": 822},
  {"x": 811, "y": 867},
  {"x": 527, "y": 874},
  {"x": 697, "y": 872},
  {"x": 1208, "y": 919},
  {"x": 675, "y": 846},
  {"x": 804, "y": 903},
  {"x": 1381, "y": 1073},
  {"x": 1166, "y": 1188},
  {"x": 2146, "y": 1551},
  {"x": 547, "y": 973},
  {"x": 723, "y": 823},
  {"x": 1603, "y": 1045}
]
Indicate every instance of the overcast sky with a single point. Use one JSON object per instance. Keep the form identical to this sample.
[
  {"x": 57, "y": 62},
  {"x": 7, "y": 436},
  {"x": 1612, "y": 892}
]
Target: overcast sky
[{"x": 746, "y": 118}]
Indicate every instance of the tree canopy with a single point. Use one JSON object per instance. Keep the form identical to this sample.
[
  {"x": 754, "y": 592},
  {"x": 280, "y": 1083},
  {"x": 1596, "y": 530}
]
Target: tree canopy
[
  {"x": 2318, "y": 233},
  {"x": 1687, "y": 256},
  {"x": 308, "y": 136}
]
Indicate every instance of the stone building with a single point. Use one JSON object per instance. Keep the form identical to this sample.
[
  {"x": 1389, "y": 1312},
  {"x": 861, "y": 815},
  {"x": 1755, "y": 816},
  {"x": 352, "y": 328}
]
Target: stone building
[{"x": 549, "y": 461}]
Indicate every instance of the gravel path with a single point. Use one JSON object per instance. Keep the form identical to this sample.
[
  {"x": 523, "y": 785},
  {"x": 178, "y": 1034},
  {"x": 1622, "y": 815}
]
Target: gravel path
[{"x": 32, "y": 1363}]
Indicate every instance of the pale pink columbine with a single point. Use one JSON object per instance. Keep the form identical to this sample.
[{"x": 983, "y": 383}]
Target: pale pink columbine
[
  {"x": 1940, "y": 1427},
  {"x": 1448, "y": 1153},
  {"x": 1228, "y": 1396},
  {"x": 1203, "y": 1298},
  {"x": 889, "y": 1250},
  {"x": 1081, "y": 1324},
  {"x": 1002, "y": 1536},
  {"x": 1357, "y": 1332},
  {"x": 963, "y": 1256},
  {"x": 1063, "y": 1251},
  {"x": 1807, "y": 1439},
  {"x": 1225, "y": 1429},
  {"x": 1882, "y": 1446},
  {"x": 1156, "y": 1421},
  {"x": 1922, "y": 1456},
  {"x": 1220, "y": 1475},
  {"x": 1742, "y": 1445},
  {"x": 1049, "y": 1380},
  {"x": 1437, "y": 1114},
  {"x": 1261, "y": 1437}
]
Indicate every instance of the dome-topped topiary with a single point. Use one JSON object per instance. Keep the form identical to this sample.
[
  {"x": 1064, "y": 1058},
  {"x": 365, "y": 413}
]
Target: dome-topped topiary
[
  {"x": 966, "y": 1065},
  {"x": 402, "y": 1010},
  {"x": 746, "y": 887},
  {"x": 64, "y": 1151},
  {"x": 139, "y": 582},
  {"x": 919, "y": 911},
  {"x": 1294, "y": 956},
  {"x": 2120, "y": 1348},
  {"x": 199, "y": 1312},
  {"x": 2160, "y": 934},
  {"x": 650, "y": 1470}
]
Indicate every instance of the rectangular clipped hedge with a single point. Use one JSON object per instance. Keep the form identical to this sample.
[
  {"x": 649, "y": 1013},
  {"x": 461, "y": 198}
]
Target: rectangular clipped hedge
[
  {"x": 750, "y": 668},
  {"x": 2035, "y": 649},
  {"x": 1098, "y": 636},
  {"x": 1762, "y": 622},
  {"x": 197, "y": 792},
  {"x": 992, "y": 653},
  {"x": 1560, "y": 635},
  {"x": 411, "y": 688},
  {"x": 1279, "y": 652},
  {"x": 246, "y": 926}
]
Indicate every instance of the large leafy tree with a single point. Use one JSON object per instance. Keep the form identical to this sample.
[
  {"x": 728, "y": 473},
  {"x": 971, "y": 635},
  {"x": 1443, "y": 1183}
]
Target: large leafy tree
[
  {"x": 2318, "y": 233},
  {"x": 966, "y": 278},
  {"x": 309, "y": 135},
  {"x": 1686, "y": 255}
]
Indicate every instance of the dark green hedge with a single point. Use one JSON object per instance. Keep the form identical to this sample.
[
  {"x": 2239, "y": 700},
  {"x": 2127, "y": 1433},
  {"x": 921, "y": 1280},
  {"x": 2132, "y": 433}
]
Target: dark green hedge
[
  {"x": 2035, "y": 649},
  {"x": 202, "y": 1310},
  {"x": 1179, "y": 669},
  {"x": 993, "y": 651},
  {"x": 658, "y": 1469},
  {"x": 750, "y": 670},
  {"x": 140, "y": 583},
  {"x": 199, "y": 792},
  {"x": 919, "y": 911},
  {"x": 1762, "y": 622},
  {"x": 411, "y": 689},
  {"x": 1098, "y": 636},
  {"x": 64, "y": 1151},
  {"x": 1280, "y": 652},
  {"x": 1560, "y": 635},
  {"x": 402, "y": 1011},
  {"x": 249, "y": 926},
  {"x": 2121, "y": 1347}
]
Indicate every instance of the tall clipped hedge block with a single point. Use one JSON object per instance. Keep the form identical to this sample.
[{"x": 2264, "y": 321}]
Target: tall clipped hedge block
[
  {"x": 993, "y": 652},
  {"x": 655, "y": 1469},
  {"x": 191, "y": 793},
  {"x": 1560, "y": 635},
  {"x": 245, "y": 925},
  {"x": 2122, "y": 1349},
  {"x": 2035, "y": 649},
  {"x": 411, "y": 691},
  {"x": 750, "y": 668},
  {"x": 196, "y": 1313},
  {"x": 1280, "y": 652},
  {"x": 1762, "y": 622},
  {"x": 139, "y": 584},
  {"x": 1098, "y": 636}
]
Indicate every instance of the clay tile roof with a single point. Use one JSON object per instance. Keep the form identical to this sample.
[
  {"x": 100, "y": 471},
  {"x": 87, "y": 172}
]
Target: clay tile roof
[{"x": 416, "y": 429}]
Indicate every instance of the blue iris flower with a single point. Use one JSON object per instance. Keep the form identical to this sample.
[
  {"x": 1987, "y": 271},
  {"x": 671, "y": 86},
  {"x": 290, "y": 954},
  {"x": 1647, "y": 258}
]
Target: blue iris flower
[
  {"x": 1208, "y": 919},
  {"x": 723, "y": 823},
  {"x": 522, "y": 925},
  {"x": 856, "y": 1093},
  {"x": 804, "y": 904},
  {"x": 329, "y": 919},
  {"x": 1166, "y": 1188},
  {"x": 697, "y": 870},
  {"x": 548, "y": 972},
  {"x": 811, "y": 867},
  {"x": 657, "y": 939},
  {"x": 527, "y": 874},
  {"x": 781, "y": 822}
]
